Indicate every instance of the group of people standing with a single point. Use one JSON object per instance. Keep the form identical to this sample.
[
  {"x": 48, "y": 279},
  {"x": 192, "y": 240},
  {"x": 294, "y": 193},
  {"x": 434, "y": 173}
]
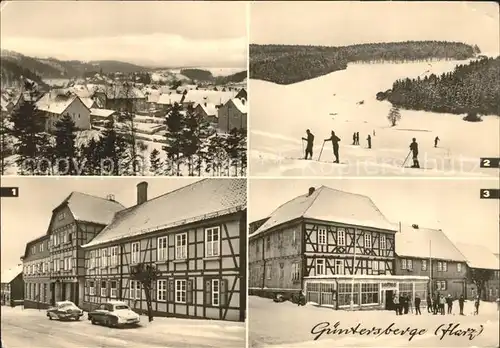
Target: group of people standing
[{"x": 435, "y": 305}]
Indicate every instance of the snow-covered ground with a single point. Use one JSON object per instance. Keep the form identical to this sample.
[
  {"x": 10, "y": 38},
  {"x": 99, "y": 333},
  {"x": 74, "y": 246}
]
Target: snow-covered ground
[
  {"x": 344, "y": 101},
  {"x": 31, "y": 328},
  {"x": 285, "y": 325}
]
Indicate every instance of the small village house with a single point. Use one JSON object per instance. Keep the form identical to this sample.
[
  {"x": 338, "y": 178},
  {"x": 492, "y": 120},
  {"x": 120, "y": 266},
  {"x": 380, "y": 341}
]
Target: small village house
[
  {"x": 36, "y": 273},
  {"x": 335, "y": 246},
  {"x": 232, "y": 114},
  {"x": 208, "y": 111},
  {"x": 196, "y": 238},
  {"x": 167, "y": 100},
  {"x": 12, "y": 286},
  {"x": 98, "y": 116},
  {"x": 55, "y": 106},
  {"x": 429, "y": 252},
  {"x": 121, "y": 97}
]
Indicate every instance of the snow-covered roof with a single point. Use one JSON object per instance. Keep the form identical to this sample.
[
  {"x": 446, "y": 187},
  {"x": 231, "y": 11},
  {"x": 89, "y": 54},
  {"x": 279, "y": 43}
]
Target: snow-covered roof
[
  {"x": 10, "y": 274},
  {"x": 153, "y": 97},
  {"x": 89, "y": 208},
  {"x": 209, "y": 108},
  {"x": 167, "y": 99},
  {"x": 89, "y": 102},
  {"x": 240, "y": 104},
  {"x": 55, "y": 102},
  {"x": 426, "y": 242},
  {"x": 199, "y": 201},
  {"x": 328, "y": 204},
  {"x": 366, "y": 276},
  {"x": 478, "y": 256},
  {"x": 205, "y": 96},
  {"x": 101, "y": 112},
  {"x": 121, "y": 92}
]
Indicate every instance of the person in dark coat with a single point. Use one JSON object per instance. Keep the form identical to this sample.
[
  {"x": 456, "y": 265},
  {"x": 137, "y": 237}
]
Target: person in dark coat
[
  {"x": 461, "y": 301},
  {"x": 406, "y": 302},
  {"x": 401, "y": 304},
  {"x": 417, "y": 305},
  {"x": 310, "y": 144},
  {"x": 369, "y": 140},
  {"x": 301, "y": 299},
  {"x": 476, "y": 305},
  {"x": 449, "y": 303},
  {"x": 335, "y": 142},
  {"x": 436, "y": 141},
  {"x": 354, "y": 138},
  {"x": 357, "y": 138},
  {"x": 395, "y": 301},
  {"x": 429, "y": 304},
  {"x": 414, "y": 150}
]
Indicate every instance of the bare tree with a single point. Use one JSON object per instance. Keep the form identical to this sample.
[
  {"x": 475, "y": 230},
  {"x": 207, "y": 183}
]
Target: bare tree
[{"x": 146, "y": 274}]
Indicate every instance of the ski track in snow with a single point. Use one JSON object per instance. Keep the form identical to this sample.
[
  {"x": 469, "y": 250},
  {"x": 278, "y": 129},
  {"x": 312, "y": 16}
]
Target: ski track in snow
[{"x": 309, "y": 105}]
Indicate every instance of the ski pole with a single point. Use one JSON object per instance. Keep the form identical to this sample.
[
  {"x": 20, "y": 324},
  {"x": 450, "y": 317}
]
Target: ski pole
[
  {"x": 321, "y": 150},
  {"x": 406, "y": 159}
]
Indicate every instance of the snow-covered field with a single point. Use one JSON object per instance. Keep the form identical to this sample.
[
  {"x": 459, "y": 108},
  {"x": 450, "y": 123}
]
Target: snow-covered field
[
  {"x": 344, "y": 101},
  {"x": 31, "y": 328},
  {"x": 285, "y": 325}
]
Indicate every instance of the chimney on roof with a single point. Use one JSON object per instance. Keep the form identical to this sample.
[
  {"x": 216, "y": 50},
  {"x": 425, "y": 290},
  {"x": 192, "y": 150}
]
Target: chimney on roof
[
  {"x": 311, "y": 191},
  {"x": 415, "y": 226},
  {"x": 142, "y": 192},
  {"x": 110, "y": 197}
]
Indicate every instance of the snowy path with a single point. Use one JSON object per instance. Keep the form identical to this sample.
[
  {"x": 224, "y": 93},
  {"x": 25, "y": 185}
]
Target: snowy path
[
  {"x": 31, "y": 328},
  {"x": 280, "y": 325}
]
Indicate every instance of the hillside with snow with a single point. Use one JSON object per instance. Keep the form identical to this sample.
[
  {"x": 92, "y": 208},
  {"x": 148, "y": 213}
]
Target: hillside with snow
[{"x": 344, "y": 101}]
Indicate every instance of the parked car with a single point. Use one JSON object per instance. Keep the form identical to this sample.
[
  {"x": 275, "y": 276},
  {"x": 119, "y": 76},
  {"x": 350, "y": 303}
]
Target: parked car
[
  {"x": 114, "y": 314},
  {"x": 64, "y": 310}
]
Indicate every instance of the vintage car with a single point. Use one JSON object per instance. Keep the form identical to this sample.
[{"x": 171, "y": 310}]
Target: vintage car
[
  {"x": 64, "y": 310},
  {"x": 114, "y": 314}
]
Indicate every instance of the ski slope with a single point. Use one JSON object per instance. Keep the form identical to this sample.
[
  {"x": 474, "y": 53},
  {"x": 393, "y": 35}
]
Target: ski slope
[{"x": 344, "y": 101}]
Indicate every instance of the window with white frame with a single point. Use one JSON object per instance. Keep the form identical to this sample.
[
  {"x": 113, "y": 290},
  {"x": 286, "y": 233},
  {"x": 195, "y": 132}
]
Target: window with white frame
[
  {"x": 375, "y": 267},
  {"x": 162, "y": 249},
  {"x": 135, "y": 255},
  {"x": 369, "y": 293},
  {"x": 268, "y": 271},
  {"x": 295, "y": 271},
  {"x": 490, "y": 292},
  {"x": 368, "y": 240},
  {"x": 322, "y": 236},
  {"x": 62, "y": 216},
  {"x": 383, "y": 242},
  {"x": 339, "y": 267},
  {"x": 104, "y": 288},
  {"x": 92, "y": 259},
  {"x": 403, "y": 264},
  {"x": 424, "y": 265},
  {"x": 41, "y": 247},
  {"x": 135, "y": 290},
  {"x": 104, "y": 258},
  {"x": 161, "y": 290},
  {"x": 409, "y": 264},
  {"x": 92, "y": 287},
  {"x": 113, "y": 289},
  {"x": 56, "y": 265},
  {"x": 440, "y": 266},
  {"x": 180, "y": 290},
  {"x": 56, "y": 239},
  {"x": 381, "y": 266},
  {"x": 341, "y": 237},
  {"x": 459, "y": 267},
  {"x": 294, "y": 237},
  {"x": 65, "y": 237},
  {"x": 212, "y": 241},
  {"x": 114, "y": 256},
  {"x": 445, "y": 266},
  {"x": 215, "y": 292},
  {"x": 320, "y": 266},
  {"x": 181, "y": 246}
]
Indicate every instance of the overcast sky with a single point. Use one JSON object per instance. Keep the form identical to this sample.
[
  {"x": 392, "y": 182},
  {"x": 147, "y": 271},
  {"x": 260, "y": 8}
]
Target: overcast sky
[
  {"x": 345, "y": 23},
  {"x": 452, "y": 205},
  {"x": 160, "y": 33},
  {"x": 27, "y": 217}
]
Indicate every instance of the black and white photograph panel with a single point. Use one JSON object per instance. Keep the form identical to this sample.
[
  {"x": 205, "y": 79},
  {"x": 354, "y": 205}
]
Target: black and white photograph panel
[
  {"x": 373, "y": 88},
  {"x": 359, "y": 263},
  {"x": 129, "y": 89},
  {"x": 122, "y": 262}
]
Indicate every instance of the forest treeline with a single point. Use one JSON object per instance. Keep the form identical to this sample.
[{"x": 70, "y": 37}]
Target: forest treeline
[
  {"x": 470, "y": 88},
  {"x": 287, "y": 64}
]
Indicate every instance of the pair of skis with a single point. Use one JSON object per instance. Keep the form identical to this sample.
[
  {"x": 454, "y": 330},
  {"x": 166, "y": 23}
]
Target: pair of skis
[{"x": 319, "y": 157}]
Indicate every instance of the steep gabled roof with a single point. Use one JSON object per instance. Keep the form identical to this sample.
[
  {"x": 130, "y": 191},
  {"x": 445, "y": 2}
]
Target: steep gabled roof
[
  {"x": 10, "y": 274},
  {"x": 478, "y": 256},
  {"x": 89, "y": 208},
  {"x": 199, "y": 201},
  {"x": 328, "y": 204},
  {"x": 426, "y": 243}
]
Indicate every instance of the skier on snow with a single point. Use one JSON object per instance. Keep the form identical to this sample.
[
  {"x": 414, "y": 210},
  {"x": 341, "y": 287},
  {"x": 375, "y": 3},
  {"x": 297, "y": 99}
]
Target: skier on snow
[
  {"x": 310, "y": 143},
  {"x": 369, "y": 139},
  {"x": 436, "y": 141},
  {"x": 414, "y": 150},
  {"x": 357, "y": 138},
  {"x": 354, "y": 138},
  {"x": 335, "y": 142}
]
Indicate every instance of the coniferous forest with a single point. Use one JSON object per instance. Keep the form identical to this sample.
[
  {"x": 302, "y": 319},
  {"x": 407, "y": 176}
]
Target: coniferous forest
[
  {"x": 470, "y": 88},
  {"x": 287, "y": 64}
]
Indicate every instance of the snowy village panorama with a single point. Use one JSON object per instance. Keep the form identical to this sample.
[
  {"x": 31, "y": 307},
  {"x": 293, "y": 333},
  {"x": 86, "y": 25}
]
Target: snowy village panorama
[{"x": 134, "y": 95}]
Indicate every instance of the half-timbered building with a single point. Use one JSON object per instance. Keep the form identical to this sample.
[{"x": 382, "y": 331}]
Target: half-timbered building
[
  {"x": 196, "y": 238},
  {"x": 335, "y": 246},
  {"x": 428, "y": 252},
  {"x": 74, "y": 222}
]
